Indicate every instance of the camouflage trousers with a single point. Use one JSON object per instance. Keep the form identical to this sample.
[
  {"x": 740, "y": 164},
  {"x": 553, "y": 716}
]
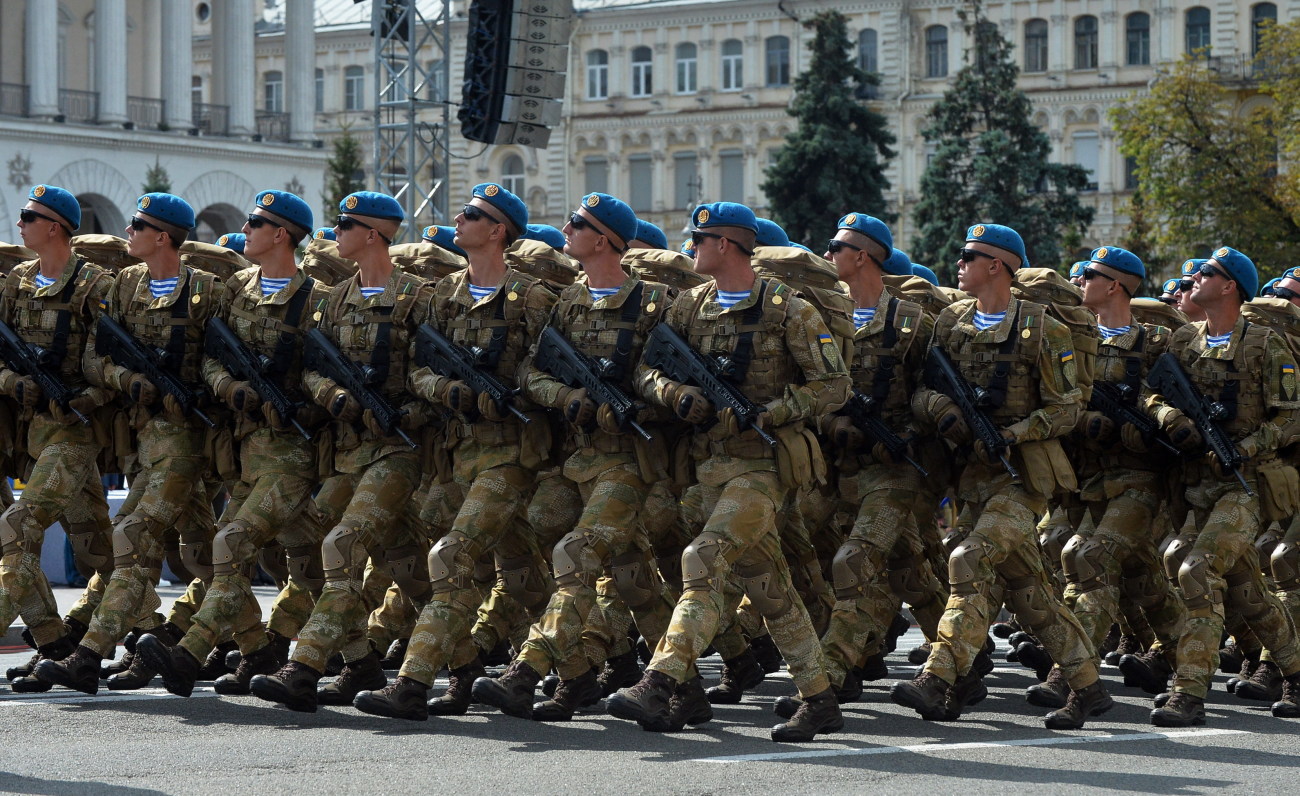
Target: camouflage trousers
[
  {"x": 1001, "y": 556},
  {"x": 607, "y": 538},
  {"x": 805, "y": 532},
  {"x": 375, "y": 518},
  {"x": 740, "y": 535},
  {"x": 64, "y": 484},
  {"x": 1115, "y": 557},
  {"x": 1222, "y": 573}
]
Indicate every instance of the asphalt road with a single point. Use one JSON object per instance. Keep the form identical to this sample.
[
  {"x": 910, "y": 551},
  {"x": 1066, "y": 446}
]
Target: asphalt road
[{"x": 150, "y": 742}]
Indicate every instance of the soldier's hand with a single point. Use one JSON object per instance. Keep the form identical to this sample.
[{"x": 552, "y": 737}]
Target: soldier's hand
[
  {"x": 141, "y": 390},
  {"x": 578, "y": 408},
  {"x": 731, "y": 423},
  {"x": 27, "y": 392},
  {"x": 172, "y": 409},
  {"x": 241, "y": 397},
  {"x": 371, "y": 422},
  {"x": 689, "y": 403},
  {"x": 948, "y": 419},
  {"x": 1132, "y": 439},
  {"x": 992, "y": 455},
  {"x": 342, "y": 406},
  {"x": 273, "y": 418},
  {"x": 1098, "y": 427},
  {"x": 82, "y": 403},
  {"x": 607, "y": 420},
  {"x": 1183, "y": 433},
  {"x": 457, "y": 396},
  {"x": 880, "y": 452},
  {"x": 844, "y": 433},
  {"x": 490, "y": 411},
  {"x": 415, "y": 414}
]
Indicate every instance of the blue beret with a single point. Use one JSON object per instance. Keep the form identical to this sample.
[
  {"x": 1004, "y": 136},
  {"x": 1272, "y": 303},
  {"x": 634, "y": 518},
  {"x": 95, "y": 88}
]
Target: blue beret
[
  {"x": 1267, "y": 289},
  {"x": 925, "y": 273},
  {"x": 870, "y": 226},
  {"x": 1170, "y": 286},
  {"x": 546, "y": 234},
  {"x": 687, "y": 248},
  {"x": 325, "y": 233},
  {"x": 167, "y": 208},
  {"x": 651, "y": 235},
  {"x": 1240, "y": 268},
  {"x": 287, "y": 206},
  {"x": 1191, "y": 266},
  {"x": 513, "y": 210},
  {"x": 1122, "y": 260},
  {"x": 444, "y": 237},
  {"x": 1076, "y": 270},
  {"x": 372, "y": 204},
  {"x": 897, "y": 263},
  {"x": 724, "y": 214},
  {"x": 1004, "y": 238},
  {"x": 613, "y": 214},
  {"x": 60, "y": 201},
  {"x": 233, "y": 241},
  {"x": 770, "y": 234},
  {"x": 801, "y": 246}
]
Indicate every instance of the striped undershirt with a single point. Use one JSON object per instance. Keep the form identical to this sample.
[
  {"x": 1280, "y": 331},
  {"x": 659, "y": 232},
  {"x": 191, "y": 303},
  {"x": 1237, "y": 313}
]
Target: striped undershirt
[
  {"x": 598, "y": 293},
  {"x": 1216, "y": 340},
  {"x": 863, "y": 316},
  {"x": 162, "y": 287},
  {"x": 987, "y": 320},
  {"x": 371, "y": 292},
  {"x": 272, "y": 286},
  {"x": 43, "y": 281},
  {"x": 480, "y": 293},
  {"x": 729, "y": 298},
  {"x": 1108, "y": 332}
]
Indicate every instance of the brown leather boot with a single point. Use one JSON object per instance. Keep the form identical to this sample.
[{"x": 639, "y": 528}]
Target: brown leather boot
[
  {"x": 365, "y": 674},
  {"x": 739, "y": 675},
  {"x": 1182, "y": 710},
  {"x": 580, "y": 692},
  {"x": 403, "y": 698},
  {"x": 618, "y": 672},
  {"x": 1288, "y": 707},
  {"x": 925, "y": 695},
  {"x": 455, "y": 701},
  {"x": 294, "y": 686},
  {"x": 79, "y": 671},
  {"x": 1054, "y": 692},
  {"x": 689, "y": 705},
  {"x": 264, "y": 660},
  {"x": 819, "y": 714},
  {"x": 177, "y": 666},
  {"x": 1149, "y": 671},
  {"x": 1090, "y": 701},
  {"x": 512, "y": 692},
  {"x": 646, "y": 703},
  {"x": 1263, "y": 685}
]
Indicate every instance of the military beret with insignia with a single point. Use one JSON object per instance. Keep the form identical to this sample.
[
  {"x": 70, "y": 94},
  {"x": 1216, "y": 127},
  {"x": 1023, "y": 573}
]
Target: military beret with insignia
[
  {"x": 444, "y": 237},
  {"x": 614, "y": 218},
  {"x": 687, "y": 248},
  {"x": 1240, "y": 269},
  {"x": 731, "y": 220},
  {"x": 1170, "y": 286},
  {"x": 511, "y": 209},
  {"x": 1122, "y": 260},
  {"x": 1190, "y": 267},
  {"x": 61, "y": 201},
  {"x": 1267, "y": 289},
  {"x": 870, "y": 227},
  {"x": 325, "y": 233},
  {"x": 1076, "y": 270},
  {"x": 233, "y": 241},
  {"x": 1001, "y": 237},
  {"x": 171, "y": 210},
  {"x": 372, "y": 204},
  {"x": 289, "y": 207}
]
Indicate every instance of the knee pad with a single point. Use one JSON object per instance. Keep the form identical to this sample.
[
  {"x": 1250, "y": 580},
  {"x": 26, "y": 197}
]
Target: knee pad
[
  {"x": 230, "y": 549},
  {"x": 634, "y": 578},
  {"x": 89, "y": 545},
  {"x": 566, "y": 561},
  {"x": 850, "y": 570},
  {"x": 343, "y": 552},
  {"x": 700, "y": 563},
  {"x": 964, "y": 567},
  {"x": 272, "y": 559},
  {"x": 442, "y": 561},
  {"x": 129, "y": 542},
  {"x": 1173, "y": 556},
  {"x": 523, "y": 579},
  {"x": 1140, "y": 589},
  {"x": 1084, "y": 562},
  {"x": 12, "y": 538},
  {"x": 760, "y": 584},
  {"x": 1027, "y": 599},
  {"x": 197, "y": 558},
  {"x": 1054, "y": 540},
  {"x": 408, "y": 567},
  {"x": 1245, "y": 598},
  {"x": 1284, "y": 563},
  {"x": 1194, "y": 581},
  {"x": 304, "y": 566},
  {"x": 910, "y": 582}
]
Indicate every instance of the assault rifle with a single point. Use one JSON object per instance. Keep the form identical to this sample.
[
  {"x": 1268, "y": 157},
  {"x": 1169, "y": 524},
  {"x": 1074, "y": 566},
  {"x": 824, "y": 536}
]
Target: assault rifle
[
  {"x": 435, "y": 351},
  {"x": 112, "y": 340},
  {"x": 321, "y": 355},
  {"x": 1110, "y": 399},
  {"x": 34, "y": 363},
  {"x": 222, "y": 344},
  {"x": 942, "y": 375},
  {"x": 1168, "y": 378},
  {"x": 861, "y": 409},
  {"x": 558, "y": 357},
  {"x": 665, "y": 350}
]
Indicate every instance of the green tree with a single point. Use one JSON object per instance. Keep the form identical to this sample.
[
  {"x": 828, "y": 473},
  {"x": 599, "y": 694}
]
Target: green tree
[
  {"x": 156, "y": 179},
  {"x": 834, "y": 162},
  {"x": 344, "y": 172},
  {"x": 991, "y": 163}
]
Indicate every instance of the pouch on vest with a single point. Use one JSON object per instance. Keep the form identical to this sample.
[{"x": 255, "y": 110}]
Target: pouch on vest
[
  {"x": 1045, "y": 468},
  {"x": 535, "y": 442},
  {"x": 799, "y": 460},
  {"x": 1064, "y": 302},
  {"x": 1279, "y": 490},
  {"x": 220, "y": 448}
]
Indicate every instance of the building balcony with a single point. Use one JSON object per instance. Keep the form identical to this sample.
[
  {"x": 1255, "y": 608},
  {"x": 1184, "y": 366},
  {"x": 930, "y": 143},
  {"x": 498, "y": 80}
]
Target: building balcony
[
  {"x": 78, "y": 106},
  {"x": 271, "y": 126}
]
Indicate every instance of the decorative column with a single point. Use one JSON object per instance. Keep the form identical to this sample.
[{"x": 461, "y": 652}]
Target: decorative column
[
  {"x": 42, "y": 57},
  {"x": 299, "y": 68},
  {"x": 110, "y": 60},
  {"x": 240, "y": 65},
  {"x": 177, "y": 66}
]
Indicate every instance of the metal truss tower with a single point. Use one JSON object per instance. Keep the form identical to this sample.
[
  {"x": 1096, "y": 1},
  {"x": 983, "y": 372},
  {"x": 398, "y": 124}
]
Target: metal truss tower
[{"x": 412, "y": 115}]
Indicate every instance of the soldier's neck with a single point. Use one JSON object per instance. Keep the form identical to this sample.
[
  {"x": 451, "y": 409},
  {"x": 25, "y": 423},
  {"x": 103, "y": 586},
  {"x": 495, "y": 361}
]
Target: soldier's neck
[
  {"x": 486, "y": 268},
  {"x": 1115, "y": 316},
  {"x": 375, "y": 271},
  {"x": 1221, "y": 320},
  {"x": 865, "y": 291},
  {"x": 604, "y": 272},
  {"x": 164, "y": 264},
  {"x": 54, "y": 258},
  {"x": 278, "y": 264},
  {"x": 993, "y": 300},
  {"x": 735, "y": 280}
]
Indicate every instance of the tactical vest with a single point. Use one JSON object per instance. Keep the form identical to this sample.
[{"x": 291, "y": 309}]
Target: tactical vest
[
  {"x": 875, "y": 360},
  {"x": 274, "y": 331},
  {"x": 610, "y": 334},
  {"x": 1007, "y": 372},
  {"x": 750, "y": 344},
  {"x": 1064, "y": 303},
  {"x": 1235, "y": 383},
  {"x": 178, "y": 330},
  {"x": 56, "y": 324},
  {"x": 486, "y": 328},
  {"x": 375, "y": 334}
]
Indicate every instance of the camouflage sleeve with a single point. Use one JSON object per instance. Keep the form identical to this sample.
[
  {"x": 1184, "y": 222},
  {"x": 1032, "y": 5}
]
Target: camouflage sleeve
[
  {"x": 541, "y": 387},
  {"x": 913, "y": 365},
  {"x": 314, "y": 384},
  {"x": 96, "y": 299},
  {"x": 421, "y": 380},
  {"x": 826, "y": 378},
  {"x": 1060, "y": 399},
  {"x": 214, "y": 373},
  {"x": 8, "y": 377},
  {"x": 538, "y": 304},
  {"x": 650, "y": 383},
  {"x": 1155, "y": 404},
  {"x": 1280, "y": 399},
  {"x": 101, "y": 371}
]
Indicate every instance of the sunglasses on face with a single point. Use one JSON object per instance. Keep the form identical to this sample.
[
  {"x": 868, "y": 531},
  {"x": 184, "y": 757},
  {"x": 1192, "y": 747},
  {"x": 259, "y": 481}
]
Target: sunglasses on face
[
  {"x": 697, "y": 237},
  {"x": 1185, "y": 285},
  {"x": 473, "y": 213},
  {"x": 1208, "y": 270},
  {"x": 1090, "y": 273},
  {"x": 968, "y": 255},
  {"x": 256, "y": 222},
  {"x": 138, "y": 224},
  {"x": 30, "y": 216},
  {"x": 578, "y": 222},
  {"x": 1285, "y": 293},
  {"x": 344, "y": 223},
  {"x": 835, "y": 246}
]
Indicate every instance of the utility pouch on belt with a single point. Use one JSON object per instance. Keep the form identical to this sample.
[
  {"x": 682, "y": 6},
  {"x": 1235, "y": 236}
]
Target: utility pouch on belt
[
  {"x": 1045, "y": 468},
  {"x": 799, "y": 460},
  {"x": 1279, "y": 490},
  {"x": 220, "y": 444}
]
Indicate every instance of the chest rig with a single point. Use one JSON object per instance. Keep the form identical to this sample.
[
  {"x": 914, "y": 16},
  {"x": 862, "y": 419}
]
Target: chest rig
[
  {"x": 52, "y": 341},
  {"x": 484, "y": 329},
  {"x": 376, "y": 336},
  {"x": 876, "y": 358},
  {"x": 1236, "y": 385},
  {"x": 274, "y": 340},
  {"x": 761, "y": 366},
  {"x": 609, "y": 335},
  {"x": 176, "y": 335},
  {"x": 1005, "y": 374}
]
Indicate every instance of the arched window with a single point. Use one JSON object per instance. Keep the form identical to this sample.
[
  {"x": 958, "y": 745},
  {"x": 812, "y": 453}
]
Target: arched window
[
  {"x": 733, "y": 65},
  {"x": 1197, "y": 21},
  {"x": 319, "y": 90},
  {"x": 1036, "y": 45},
  {"x": 777, "y": 57},
  {"x": 354, "y": 88},
  {"x": 597, "y": 75},
  {"x": 642, "y": 74},
  {"x": 687, "y": 68},
  {"x": 936, "y": 51},
  {"x": 1137, "y": 39},
  {"x": 1261, "y": 15},
  {"x": 1085, "y": 42},
  {"x": 867, "y": 53},
  {"x": 512, "y": 175},
  {"x": 273, "y": 91}
]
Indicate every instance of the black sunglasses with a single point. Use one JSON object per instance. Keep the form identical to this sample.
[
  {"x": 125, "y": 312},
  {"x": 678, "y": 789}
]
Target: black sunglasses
[
  {"x": 138, "y": 224},
  {"x": 1185, "y": 285},
  {"x": 345, "y": 223},
  {"x": 1285, "y": 293},
  {"x": 578, "y": 222},
  {"x": 835, "y": 246},
  {"x": 1092, "y": 273},
  {"x": 473, "y": 213},
  {"x": 1208, "y": 270},
  {"x": 697, "y": 236},
  {"x": 256, "y": 222},
  {"x": 28, "y": 216},
  {"x": 967, "y": 255}
]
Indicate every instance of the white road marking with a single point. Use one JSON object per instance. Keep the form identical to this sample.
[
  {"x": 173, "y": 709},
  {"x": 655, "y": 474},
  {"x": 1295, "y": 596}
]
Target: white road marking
[
  {"x": 65, "y": 697},
  {"x": 935, "y": 748}
]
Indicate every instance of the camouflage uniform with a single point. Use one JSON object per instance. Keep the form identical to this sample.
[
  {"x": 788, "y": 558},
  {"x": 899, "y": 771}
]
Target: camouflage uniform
[{"x": 797, "y": 372}]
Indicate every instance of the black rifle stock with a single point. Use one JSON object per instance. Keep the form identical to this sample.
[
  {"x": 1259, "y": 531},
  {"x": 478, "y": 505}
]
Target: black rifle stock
[
  {"x": 112, "y": 340},
  {"x": 222, "y": 344},
  {"x": 942, "y": 375},
  {"x": 665, "y": 350},
  {"x": 558, "y": 357},
  {"x": 27, "y": 359},
  {"x": 435, "y": 351},
  {"x": 1168, "y": 378},
  {"x": 861, "y": 410},
  {"x": 321, "y": 355},
  {"x": 1107, "y": 398}
]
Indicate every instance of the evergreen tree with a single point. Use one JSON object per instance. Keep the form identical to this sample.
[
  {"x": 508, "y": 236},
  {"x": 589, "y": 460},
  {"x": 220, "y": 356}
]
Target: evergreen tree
[
  {"x": 344, "y": 172},
  {"x": 834, "y": 162},
  {"x": 156, "y": 179},
  {"x": 991, "y": 163}
]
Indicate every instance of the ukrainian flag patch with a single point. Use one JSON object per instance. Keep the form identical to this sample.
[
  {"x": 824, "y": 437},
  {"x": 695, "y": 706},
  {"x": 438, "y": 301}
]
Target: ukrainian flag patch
[
  {"x": 1288, "y": 370},
  {"x": 1067, "y": 357},
  {"x": 824, "y": 339}
]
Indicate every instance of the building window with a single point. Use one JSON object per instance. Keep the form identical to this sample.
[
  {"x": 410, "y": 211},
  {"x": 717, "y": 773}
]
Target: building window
[
  {"x": 686, "y": 180},
  {"x": 1137, "y": 37},
  {"x": 731, "y": 164},
  {"x": 777, "y": 57},
  {"x": 1130, "y": 174},
  {"x": 273, "y": 92},
  {"x": 354, "y": 88},
  {"x": 196, "y": 89},
  {"x": 319, "y": 90},
  {"x": 733, "y": 62},
  {"x": 438, "y": 81},
  {"x": 1085, "y": 42},
  {"x": 642, "y": 66},
  {"x": 1261, "y": 16},
  {"x": 687, "y": 67},
  {"x": 1036, "y": 45},
  {"x": 640, "y": 175},
  {"x": 512, "y": 175},
  {"x": 867, "y": 60},
  {"x": 597, "y": 75},
  {"x": 1198, "y": 31},
  {"x": 1086, "y": 154},
  {"x": 596, "y": 175},
  {"x": 936, "y": 51}
]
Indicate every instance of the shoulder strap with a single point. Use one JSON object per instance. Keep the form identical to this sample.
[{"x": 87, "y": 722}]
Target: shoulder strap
[
  {"x": 282, "y": 356},
  {"x": 623, "y": 345},
  {"x": 744, "y": 353},
  {"x": 63, "y": 320}
]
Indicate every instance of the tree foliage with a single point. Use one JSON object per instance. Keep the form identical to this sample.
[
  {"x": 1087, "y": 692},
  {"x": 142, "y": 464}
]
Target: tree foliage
[
  {"x": 344, "y": 172},
  {"x": 991, "y": 163},
  {"x": 834, "y": 162},
  {"x": 156, "y": 179}
]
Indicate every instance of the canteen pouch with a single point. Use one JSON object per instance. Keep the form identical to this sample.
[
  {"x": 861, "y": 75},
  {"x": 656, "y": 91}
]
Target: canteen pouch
[
  {"x": 1279, "y": 491},
  {"x": 799, "y": 460},
  {"x": 1044, "y": 467}
]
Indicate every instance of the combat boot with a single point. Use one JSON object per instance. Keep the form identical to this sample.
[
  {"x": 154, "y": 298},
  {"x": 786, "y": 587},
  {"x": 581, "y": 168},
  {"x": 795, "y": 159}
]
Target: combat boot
[
  {"x": 512, "y": 692},
  {"x": 260, "y": 661},
  {"x": 138, "y": 675},
  {"x": 215, "y": 664},
  {"x": 403, "y": 698},
  {"x": 897, "y": 627},
  {"x": 1090, "y": 701},
  {"x": 1247, "y": 669},
  {"x": 983, "y": 664},
  {"x": 293, "y": 686},
  {"x": 1231, "y": 658},
  {"x": 766, "y": 653},
  {"x": 646, "y": 703},
  {"x": 569, "y": 695},
  {"x": 23, "y": 669},
  {"x": 819, "y": 714},
  {"x": 455, "y": 701},
  {"x": 1110, "y": 643},
  {"x": 967, "y": 692},
  {"x": 1004, "y": 629},
  {"x": 851, "y": 689},
  {"x": 79, "y": 671},
  {"x": 121, "y": 664},
  {"x": 396, "y": 654},
  {"x": 1149, "y": 671},
  {"x": 232, "y": 660},
  {"x": 618, "y": 672},
  {"x": 1288, "y": 707},
  {"x": 873, "y": 669},
  {"x": 177, "y": 666},
  {"x": 56, "y": 650},
  {"x": 1034, "y": 657},
  {"x": 739, "y": 675},
  {"x": 1264, "y": 684},
  {"x": 364, "y": 674},
  {"x": 1054, "y": 692},
  {"x": 1128, "y": 645},
  {"x": 1182, "y": 710},
  {"x": 689, "y": 705},
  {"x": 919, "y": 654},
  {"x": 925, "y": 695}
]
